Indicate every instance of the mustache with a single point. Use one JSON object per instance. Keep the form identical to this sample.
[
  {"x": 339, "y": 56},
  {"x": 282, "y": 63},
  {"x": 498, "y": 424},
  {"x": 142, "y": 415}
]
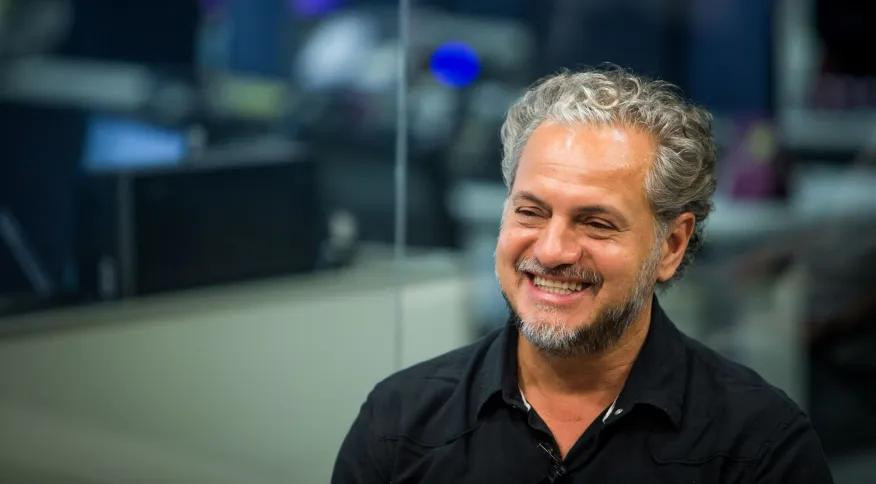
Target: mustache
[{"x": 566, "y": 271}]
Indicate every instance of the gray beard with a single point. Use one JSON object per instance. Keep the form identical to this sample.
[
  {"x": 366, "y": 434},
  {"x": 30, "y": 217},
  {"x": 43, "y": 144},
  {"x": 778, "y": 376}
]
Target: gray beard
[{"x": 556, "y": 338}]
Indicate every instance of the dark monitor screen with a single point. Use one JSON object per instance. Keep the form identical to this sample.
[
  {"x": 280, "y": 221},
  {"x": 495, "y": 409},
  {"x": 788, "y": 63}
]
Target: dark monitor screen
[{"x": 215, "y": 226}]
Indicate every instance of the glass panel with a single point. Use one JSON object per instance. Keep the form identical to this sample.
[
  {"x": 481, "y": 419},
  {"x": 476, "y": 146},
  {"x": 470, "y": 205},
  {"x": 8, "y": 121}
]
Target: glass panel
[
  {"x": 784, "y": 283},
  {"x": 196, "y": 235}
]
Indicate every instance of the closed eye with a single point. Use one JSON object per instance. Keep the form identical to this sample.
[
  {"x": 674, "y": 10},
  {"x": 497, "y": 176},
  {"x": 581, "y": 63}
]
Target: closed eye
[
  {"x": 527, "y": 212},
  {"x": 599, "y": 225}
]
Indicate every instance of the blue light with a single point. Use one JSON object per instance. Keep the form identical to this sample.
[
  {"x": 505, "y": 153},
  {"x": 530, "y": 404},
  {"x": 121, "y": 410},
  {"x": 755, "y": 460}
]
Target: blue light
[
  {"x": 455, "y": 64},
  {"x": 114, "y": 143},
  {"x": 314, "y": 8}
]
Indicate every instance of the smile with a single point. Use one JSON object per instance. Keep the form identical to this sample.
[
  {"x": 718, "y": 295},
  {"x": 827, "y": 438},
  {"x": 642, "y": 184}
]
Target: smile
[{"x": 558, "y": 287}]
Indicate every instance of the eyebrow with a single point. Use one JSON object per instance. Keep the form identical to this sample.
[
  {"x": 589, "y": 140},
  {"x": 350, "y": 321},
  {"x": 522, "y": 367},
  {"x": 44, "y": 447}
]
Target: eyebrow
[{"x": 593, "y": 209}]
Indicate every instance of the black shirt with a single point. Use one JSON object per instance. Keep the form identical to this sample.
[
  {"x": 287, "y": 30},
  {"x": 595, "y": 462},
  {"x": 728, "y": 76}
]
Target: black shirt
[{"x": 685, "y": 415}]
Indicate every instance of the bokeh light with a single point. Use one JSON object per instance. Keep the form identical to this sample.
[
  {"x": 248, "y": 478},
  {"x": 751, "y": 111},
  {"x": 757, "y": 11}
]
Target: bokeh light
[{"x": 455, "y": 64}]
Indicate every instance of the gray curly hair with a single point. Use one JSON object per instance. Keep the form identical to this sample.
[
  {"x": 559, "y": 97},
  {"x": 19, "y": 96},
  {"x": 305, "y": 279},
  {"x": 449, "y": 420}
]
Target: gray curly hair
[{"x": 682, "y": 177}]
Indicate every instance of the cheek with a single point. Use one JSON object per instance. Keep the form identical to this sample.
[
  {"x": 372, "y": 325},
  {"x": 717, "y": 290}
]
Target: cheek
[
  {"x": 616, "y": 262},
  {"x": 503, "y": 254},
  {"x": 509, "y": 248},
  {"x": 607, "y": 256},
  {"x": 510, "y": 245}
]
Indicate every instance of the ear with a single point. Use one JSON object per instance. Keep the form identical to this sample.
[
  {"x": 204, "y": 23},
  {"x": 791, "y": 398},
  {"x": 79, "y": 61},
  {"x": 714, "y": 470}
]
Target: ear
[{"x": 675, "y": 245}]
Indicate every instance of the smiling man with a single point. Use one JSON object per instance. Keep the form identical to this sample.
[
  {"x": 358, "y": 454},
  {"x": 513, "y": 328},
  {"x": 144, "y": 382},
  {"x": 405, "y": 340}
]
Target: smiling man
[{"x": 610, "y": 178}]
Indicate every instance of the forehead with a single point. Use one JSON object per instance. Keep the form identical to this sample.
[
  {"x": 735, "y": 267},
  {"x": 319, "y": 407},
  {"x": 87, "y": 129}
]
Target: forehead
[{"x": 609, "y": 162}]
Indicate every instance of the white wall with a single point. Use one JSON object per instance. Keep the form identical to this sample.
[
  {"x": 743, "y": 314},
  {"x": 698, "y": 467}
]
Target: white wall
[{"x": 250, "y": 383}]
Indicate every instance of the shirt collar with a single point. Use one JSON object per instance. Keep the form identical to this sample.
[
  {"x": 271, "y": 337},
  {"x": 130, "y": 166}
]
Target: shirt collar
[
  {"x": 659, "y": 374},
  {"x": 498, "y": 371},
  {"x": 657, "y": 378}
]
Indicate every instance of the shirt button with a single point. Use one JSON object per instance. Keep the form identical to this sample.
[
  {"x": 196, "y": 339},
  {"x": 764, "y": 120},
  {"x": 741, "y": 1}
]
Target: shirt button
[{"x": 619, "y": 411}]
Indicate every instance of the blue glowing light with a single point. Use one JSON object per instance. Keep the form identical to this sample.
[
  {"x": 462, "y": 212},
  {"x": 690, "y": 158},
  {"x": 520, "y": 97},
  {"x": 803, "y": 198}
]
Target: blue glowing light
[
  {"x": 455, "y": 64},
  {"x": 314, "y": 8}
]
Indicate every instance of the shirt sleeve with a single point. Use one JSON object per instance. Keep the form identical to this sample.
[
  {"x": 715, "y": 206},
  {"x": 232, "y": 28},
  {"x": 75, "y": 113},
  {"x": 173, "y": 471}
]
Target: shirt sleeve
[
  {"x": 794, "y": 455},
  {"x": 358, "y": 459}
]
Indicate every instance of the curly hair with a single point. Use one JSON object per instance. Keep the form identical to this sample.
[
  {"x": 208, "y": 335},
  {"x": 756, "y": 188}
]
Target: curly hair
[{"x": 681, "y": 178}]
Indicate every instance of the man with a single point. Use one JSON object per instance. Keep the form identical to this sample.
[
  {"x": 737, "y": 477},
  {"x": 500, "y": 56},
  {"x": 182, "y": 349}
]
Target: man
[{"x": 610, "y": 178}]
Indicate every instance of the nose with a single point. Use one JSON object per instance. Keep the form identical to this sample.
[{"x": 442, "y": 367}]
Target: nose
[{"x": 557, "y": 245}]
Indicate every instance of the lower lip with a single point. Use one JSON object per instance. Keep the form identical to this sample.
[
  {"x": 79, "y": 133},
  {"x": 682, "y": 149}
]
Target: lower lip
[{"x": 557, "y": 299}]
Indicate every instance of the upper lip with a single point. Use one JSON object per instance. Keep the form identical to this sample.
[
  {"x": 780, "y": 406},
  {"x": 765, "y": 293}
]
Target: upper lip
[{"x": 558, "y": 279}]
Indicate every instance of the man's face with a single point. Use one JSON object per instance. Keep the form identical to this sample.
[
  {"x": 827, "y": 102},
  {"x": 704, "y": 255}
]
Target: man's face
[{"x": 576, "y": 251}]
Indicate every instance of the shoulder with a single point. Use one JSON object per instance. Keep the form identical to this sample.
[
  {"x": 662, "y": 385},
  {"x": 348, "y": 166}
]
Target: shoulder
[
  {"x": 734, "y": 400},
  {"x": 441, "y": 370},
  {"x": 429, "y": 400},
  {"x": 734, "y": 419},
  {"x": 731, "y": 380},
  {"x": 411, "y": 407}
]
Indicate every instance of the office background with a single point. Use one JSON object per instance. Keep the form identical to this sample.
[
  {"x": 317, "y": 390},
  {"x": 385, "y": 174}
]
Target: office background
[{"x": 201, "y": 272}]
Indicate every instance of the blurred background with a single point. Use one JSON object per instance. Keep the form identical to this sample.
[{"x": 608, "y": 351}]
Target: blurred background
[{"x": 200, "y": 272}]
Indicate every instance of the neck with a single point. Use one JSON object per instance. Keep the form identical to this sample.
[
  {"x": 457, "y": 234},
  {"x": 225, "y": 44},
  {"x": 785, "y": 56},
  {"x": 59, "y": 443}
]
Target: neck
[{"x": 602, "y": 373}]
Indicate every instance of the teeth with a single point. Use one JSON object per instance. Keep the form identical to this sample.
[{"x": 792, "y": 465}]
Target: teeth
[{"x": 557, "y": 287}]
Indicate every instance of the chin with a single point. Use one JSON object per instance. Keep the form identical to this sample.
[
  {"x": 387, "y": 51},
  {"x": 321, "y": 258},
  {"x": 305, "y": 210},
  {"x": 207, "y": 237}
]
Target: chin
[{"x": 560, "y": 321}]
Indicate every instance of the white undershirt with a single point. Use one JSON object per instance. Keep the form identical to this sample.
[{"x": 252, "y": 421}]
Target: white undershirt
[{"x": 604, "y": 417}]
